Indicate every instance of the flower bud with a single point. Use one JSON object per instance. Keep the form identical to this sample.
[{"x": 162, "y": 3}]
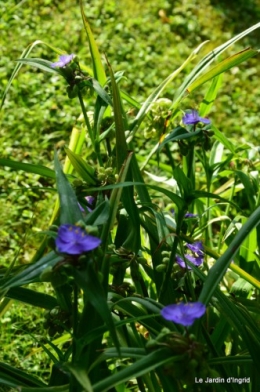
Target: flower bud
[
  {"x": 161, "y": 268},
  {"x": 165, "y": 260},
  {"x": 46, "y": 275},
  {"x": 166, "y": 253}
]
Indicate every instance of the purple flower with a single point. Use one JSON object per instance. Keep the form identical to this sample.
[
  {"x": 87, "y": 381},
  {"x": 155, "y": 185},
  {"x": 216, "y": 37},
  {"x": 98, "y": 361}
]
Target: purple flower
[
  {"x": 196, "y": 247},
  {"x": 182, "y": 263},
  {"x": 190, "y": 215},
  {"x": 90, "y": 200},
  {"x": 63, "y": 61},
  {"x": 187, "y": 215},
  {"x": 196, "y": 258},
  {"x": 184, "y": 314},
  {"x": 192, "y": 117},
  {"x": 73, "y": 240},
  {"x": 197, "y": 261}
]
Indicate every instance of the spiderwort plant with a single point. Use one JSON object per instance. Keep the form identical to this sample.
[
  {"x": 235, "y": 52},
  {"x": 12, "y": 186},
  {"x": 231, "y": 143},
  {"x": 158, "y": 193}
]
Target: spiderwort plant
[{"x": 94, "y": 294}]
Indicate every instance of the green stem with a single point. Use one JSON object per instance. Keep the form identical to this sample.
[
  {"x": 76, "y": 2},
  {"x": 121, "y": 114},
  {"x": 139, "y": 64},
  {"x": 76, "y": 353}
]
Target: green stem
[
  {"x": 168, "y": 272},
  {"x": 208, "y": 172},
  {"x": 90, "y": 131},
  {"x": 74, "y": 383},
  {"x": 86, "y": 118}
]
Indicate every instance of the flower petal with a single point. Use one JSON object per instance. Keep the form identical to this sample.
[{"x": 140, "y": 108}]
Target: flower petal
[
  {"x": 183, "y": 313},
  {"x": 74, "y": 240}
]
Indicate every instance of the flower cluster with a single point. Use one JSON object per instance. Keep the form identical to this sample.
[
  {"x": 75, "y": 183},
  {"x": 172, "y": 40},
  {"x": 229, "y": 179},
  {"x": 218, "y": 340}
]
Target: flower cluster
[
  {"x": 192, "y": 118},
  {"x": 195, "y": 258},
  {"x": 183, "y": 313},
  {"x": 73, "y": 240}
]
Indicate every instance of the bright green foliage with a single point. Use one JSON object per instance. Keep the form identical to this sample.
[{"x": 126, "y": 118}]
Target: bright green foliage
[{"x": 164, "y": 190}]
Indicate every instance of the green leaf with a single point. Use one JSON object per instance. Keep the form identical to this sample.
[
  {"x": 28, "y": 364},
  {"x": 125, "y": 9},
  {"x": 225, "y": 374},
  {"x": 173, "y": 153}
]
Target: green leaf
[
  {"x": 206, "y": 61},
  {"x": 241, "y": 288},
  {"x": 223, "y": 66},
  {"x": 31, "y": 273},
  {"x": 89, "y": 283},
  {"x": 98, "y": 69},
  {"x": 216, "y": 154},
  {"x": 178, "y": 133},
  {"x": 62, "y": 388},
  {"x": 132, "y": 242},
  {"x": 210, "y": 96},
  {"x": 218, "y": 270},
  {"x": 200, "y": 194},
  {"x": 249, "y": 189},
  {"x": 128, "y": 306},
  {"x": 17, "y": 68},
  {"x": 236, "y": 314},
  {"x": 100, "y": 214},
  {"x": 114, "y": 202},
  {"x": 183, "y": 182},
  {"x": 86, "y": 171},
  {"x": 156, "y": 93},
  {"x": 32, "y": 297},
  {"x": 248, "y": 249},
  {"x": 172, "y": 196},
  {"x": 222, "y": 139},
  {"x": 120, "y": 122},
  {"x": 69, "y": 207},
  {"x": 82, "y": 377},
  {"x": 143, "y": 366},
  {"x": 28, "y": 167},
  {"x": 42, "y": 64},
  {"x": 12, "y": 376},
  {"x": 101, "y": 92}
]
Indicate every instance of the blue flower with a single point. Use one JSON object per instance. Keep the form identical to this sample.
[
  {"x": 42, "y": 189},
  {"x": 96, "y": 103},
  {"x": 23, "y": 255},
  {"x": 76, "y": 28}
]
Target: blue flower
[
  {"x": 184, "y": 314},
  {"x": 90, "y": 200},
  {"x": 196, "y": 258},
  {"x": 74, "y": 241},
  {"x": 187, "y": 215},
  {"x": 192, "y": 117},
  {"x": 196, "y": 247},
  {"x": 64, "y": 60},
  {"x": 182, "y": 263},
  {"x": 190, "y": 215}
]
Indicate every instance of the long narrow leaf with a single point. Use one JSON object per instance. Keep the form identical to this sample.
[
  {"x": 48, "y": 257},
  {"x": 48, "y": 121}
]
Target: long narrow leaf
[
  {"x": 18, "y": 377},
  {"x": 17, "y": 68},
  {"x": 99, "y": 72},
  {"x": 91, "y": 286},
  {"x": 223, "y": 66},
  {"x": 218, "y": 270},
  {"x": 28, "y": 167},
  {"x": 42, "y": 64},
  {"x": 69, "y": 207},
  {"x": 150, "y": 362},
  {"x": 207, "y": 60},
  {"x": 156, "y": 93},
  {"x": 86, "y": 171},
  {"x": 31, "y": 273},
  {"x": 210, "y": 96},
  {"x": 31, "y": 297}
]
